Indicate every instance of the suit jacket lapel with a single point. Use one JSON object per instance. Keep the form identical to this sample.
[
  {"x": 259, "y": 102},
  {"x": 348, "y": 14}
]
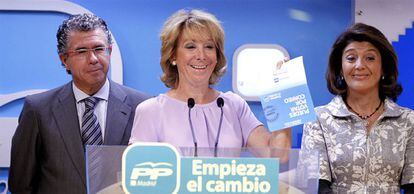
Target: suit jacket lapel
[
  {"x": 67, "y": 120},
  {"x": 118, "y": 113}
]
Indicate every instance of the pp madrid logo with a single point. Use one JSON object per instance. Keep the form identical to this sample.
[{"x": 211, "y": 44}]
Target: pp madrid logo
[{"x": 150, "y": 168}]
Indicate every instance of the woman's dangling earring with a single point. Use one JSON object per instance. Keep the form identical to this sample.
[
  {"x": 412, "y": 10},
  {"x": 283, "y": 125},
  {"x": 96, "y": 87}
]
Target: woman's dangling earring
[
  {"x": 340, "y": 81},
  {"x": 174, "y": 63}
]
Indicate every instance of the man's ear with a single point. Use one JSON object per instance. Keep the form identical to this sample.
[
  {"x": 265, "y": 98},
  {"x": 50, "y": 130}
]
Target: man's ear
[
  {"x": 63, "y": 59},
  {"x": 110, "y": 50}
]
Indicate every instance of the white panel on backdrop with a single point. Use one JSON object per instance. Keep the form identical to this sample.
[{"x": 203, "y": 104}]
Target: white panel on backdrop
[
  {"x": 7, "y": 98},
  {"x": 8, "y": 125},
  {"x": 253, "y": 65},
  {"x": 391, "y": 17}
]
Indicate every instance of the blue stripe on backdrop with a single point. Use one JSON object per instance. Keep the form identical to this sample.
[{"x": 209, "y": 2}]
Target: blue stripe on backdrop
[
  {"x": 3, "y": 177},
  {"x": 405, "y": 50}
]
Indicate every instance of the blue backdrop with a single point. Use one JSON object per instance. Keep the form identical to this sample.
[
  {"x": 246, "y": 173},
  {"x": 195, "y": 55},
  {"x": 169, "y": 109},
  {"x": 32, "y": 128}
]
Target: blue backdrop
[{"x": 30, "y": 61}]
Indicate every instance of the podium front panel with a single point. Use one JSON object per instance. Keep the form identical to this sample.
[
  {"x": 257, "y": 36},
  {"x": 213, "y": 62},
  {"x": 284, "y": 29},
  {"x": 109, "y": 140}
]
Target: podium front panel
[{"x": 298, "y": 170}]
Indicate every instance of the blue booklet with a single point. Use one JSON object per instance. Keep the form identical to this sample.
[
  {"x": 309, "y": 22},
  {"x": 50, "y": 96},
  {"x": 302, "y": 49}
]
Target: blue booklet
[{"x": 288, "y": 102}]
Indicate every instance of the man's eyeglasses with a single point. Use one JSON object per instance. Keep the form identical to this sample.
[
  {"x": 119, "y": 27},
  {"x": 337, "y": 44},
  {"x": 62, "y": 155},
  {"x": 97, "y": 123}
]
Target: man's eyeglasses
[{"x": 83, "y": 52}]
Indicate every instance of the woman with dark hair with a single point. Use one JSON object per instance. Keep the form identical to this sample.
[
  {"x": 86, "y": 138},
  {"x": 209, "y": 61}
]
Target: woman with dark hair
[{"x": 364, "y": 139}]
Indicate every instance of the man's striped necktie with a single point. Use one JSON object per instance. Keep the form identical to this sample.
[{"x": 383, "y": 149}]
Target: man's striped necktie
[{"x": 91, "y": 130}]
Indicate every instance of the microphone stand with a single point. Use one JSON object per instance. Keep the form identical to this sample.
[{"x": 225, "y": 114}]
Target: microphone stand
[
  {"x": 220, "y": 104},
  {"x": 190, "y": 104}
]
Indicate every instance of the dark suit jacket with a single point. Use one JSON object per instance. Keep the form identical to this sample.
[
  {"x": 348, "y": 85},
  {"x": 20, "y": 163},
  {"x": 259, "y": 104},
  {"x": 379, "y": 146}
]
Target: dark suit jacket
[{"x": 47, "y": 154}]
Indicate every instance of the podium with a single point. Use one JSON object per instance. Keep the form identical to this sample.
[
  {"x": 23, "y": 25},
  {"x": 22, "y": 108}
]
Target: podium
[{"x": 298, "y": 170}]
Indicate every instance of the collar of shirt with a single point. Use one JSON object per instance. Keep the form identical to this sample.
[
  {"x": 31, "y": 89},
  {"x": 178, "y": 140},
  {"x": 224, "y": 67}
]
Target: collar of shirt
[
  {"x": 102, "y": 94},
  {"x": 101, "y": 107},
  {"x": 338, "y": 108}
]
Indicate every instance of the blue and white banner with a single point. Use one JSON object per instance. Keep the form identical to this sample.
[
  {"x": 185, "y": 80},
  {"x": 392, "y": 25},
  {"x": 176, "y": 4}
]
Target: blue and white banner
[
  {"x": 229, "y": 175},
  {"x": 157, "y": 168}
]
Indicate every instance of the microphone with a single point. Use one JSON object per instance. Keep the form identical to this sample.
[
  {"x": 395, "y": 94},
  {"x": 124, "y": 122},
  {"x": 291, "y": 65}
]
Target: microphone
[
  {"x": 190, "y": 104},
  {"x": 220, "y": 104}
]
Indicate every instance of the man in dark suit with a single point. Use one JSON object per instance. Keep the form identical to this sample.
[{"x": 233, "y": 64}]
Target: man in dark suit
[{"x": 48, "y": 147}]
